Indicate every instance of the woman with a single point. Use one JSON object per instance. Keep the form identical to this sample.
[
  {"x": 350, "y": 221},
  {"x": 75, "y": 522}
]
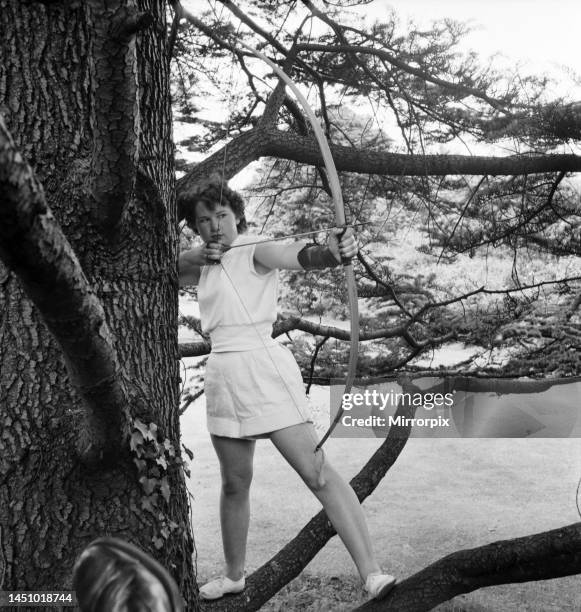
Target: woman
[{"x": 253, "y": 385}]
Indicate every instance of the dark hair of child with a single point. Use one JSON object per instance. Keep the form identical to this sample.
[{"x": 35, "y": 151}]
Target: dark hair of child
[{"x": 115, "y": 576}]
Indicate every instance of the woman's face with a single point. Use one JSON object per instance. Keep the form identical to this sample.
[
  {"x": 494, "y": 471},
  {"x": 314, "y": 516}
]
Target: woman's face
[{"x": 217, "y": 224}]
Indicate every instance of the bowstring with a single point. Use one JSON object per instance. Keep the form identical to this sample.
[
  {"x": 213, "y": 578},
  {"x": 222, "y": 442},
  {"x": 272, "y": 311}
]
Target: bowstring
[{"x": 319, "y": 452}]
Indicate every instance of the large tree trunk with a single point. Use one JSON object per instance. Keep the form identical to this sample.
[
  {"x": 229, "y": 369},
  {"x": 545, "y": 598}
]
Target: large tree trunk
[{"x": 111, "y": 189}]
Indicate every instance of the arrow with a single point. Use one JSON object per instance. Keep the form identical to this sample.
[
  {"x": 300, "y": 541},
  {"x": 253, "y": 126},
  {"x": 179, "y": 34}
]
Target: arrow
[{"x": 301, "y": 235}]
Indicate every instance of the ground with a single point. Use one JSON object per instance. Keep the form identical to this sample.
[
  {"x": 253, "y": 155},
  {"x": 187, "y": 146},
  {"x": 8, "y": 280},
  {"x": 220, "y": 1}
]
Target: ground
[{"x": 442, "y": 495}]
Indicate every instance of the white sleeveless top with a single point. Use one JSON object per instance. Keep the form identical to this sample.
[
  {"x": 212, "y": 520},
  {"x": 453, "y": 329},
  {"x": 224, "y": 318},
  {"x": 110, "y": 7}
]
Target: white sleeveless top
[{"x": 237, "y": 303}]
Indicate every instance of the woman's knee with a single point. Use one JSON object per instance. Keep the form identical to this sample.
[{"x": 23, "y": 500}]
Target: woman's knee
[
  {"x": 315, "y": 476},
  {"x": 236, "y": 482},
  {"x": 236, "y": 459}
]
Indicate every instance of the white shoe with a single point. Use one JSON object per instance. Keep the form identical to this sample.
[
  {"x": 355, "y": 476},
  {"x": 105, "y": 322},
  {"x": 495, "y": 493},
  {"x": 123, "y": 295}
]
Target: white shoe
[
  {"x": 222, "y": 586},
  {"x": 378, "y": 585}
]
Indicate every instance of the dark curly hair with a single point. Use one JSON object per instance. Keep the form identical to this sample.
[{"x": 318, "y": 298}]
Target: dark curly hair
[
  {"x": 212, "y": 193},
  {"x": 111, "y": 575}
]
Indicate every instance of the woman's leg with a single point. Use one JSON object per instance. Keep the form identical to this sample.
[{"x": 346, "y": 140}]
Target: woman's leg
[
  {"x": 297, "y": 445},
  {"x": 236, "y": 458}
]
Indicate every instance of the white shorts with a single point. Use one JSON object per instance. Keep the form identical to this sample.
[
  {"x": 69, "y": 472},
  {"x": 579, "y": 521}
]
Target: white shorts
[{"x": 254, "y": 392}]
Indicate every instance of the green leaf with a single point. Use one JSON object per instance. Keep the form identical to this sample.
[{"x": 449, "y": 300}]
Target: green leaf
[
  {"x": 165, "y": 490},
  {"x": 153, "y": 431},
  {"x": 143, "y": 429},
  {"x": 136, "y": 443},
  {"x": 148, "y": 484},
  {"x": 162, "y": 462},
  {"x": 147, "y": 504},
  {"x": 141, "y": 464}
]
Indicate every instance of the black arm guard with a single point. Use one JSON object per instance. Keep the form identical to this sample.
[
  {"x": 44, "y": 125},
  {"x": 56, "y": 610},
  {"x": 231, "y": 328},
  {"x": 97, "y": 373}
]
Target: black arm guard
[{"x": 316, "y": 257}]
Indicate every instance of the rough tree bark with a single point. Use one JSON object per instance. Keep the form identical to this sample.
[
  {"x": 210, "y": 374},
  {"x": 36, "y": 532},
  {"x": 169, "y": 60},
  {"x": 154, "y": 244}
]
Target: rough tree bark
[{"x": 84, "y": 91}]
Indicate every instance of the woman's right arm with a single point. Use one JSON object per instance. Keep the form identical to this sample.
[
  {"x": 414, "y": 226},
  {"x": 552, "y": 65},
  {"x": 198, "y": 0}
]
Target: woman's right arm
[
  {"x": 190, "y": 266},
  {"x": 190, "y": 262}
]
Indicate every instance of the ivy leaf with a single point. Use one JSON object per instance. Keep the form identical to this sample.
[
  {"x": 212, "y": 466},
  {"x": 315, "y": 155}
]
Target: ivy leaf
[
  {"x": 158, "y": 542},
  {"x": 165, "y": 490},
  {"x": 153, "y": 431},
  {"x": 141, "y": 464},
  {"x": 162, "y": 462},
  {"x": 188, "y": 452},
  {"x": 148, "y": 484},
  {"x": 136, "y": 443},
  {"x": 147, "y": 504},
  {"x": 169, "y": 448},
  {"x": 142, "y": 427}
]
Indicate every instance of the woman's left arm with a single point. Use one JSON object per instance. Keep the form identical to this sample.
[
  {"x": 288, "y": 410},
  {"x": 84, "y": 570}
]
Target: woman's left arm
[{"x": 302, "y": 256}]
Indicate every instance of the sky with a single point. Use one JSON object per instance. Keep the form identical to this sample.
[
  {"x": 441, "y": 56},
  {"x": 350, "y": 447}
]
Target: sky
[{"x": 539, "y": 34}]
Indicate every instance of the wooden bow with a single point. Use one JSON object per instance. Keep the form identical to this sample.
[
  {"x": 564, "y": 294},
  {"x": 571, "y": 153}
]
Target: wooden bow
[{"x": 340, "y": 221}]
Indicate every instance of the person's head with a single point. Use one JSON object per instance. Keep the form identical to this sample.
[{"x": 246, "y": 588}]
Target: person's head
[
  {"x": 215, "y": 212},
  {"x": 114, "y": 576}
]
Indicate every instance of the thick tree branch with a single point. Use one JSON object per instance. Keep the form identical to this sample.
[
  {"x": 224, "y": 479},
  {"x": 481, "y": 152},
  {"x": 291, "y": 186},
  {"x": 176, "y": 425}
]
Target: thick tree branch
[
  {"x": 33, "y": 246},
  {"x": 194, "y": 349},
  {"x": 551, "y": 554},
  {"x": 287, "y": 324},
  {"x": 256, "y": 143},
  {"x": 115, "y": 119},
  {"x": 291, "y": 146},
  {"x": 483, "y": 384},
  {"x": 278, "y": 96},
  {"x": 228, "y": 161}
]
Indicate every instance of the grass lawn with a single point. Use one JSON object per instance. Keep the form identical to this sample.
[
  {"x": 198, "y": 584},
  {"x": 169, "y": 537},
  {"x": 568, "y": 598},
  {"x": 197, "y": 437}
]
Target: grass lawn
[{"x": 442, "y": 495}]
